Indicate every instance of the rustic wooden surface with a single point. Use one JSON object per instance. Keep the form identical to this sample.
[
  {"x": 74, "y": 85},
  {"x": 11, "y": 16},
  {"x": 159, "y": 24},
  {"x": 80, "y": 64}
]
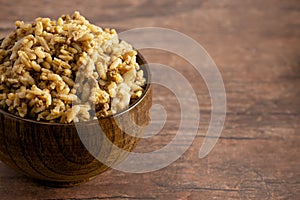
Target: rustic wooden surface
[{"x": 256, "y": 45}]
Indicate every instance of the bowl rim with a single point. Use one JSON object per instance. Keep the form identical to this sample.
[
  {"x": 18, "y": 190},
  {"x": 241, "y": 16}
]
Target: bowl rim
[{"x": 144, "y": 66}]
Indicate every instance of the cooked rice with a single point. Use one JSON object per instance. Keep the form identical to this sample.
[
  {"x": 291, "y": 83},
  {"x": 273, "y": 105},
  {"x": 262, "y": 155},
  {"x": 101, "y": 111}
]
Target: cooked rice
[{"x": 60, "y": 71}]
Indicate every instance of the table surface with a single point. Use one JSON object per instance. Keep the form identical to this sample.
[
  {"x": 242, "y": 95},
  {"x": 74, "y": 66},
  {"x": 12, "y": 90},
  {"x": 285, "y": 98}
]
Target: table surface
[{"x": 256, "y": 46}]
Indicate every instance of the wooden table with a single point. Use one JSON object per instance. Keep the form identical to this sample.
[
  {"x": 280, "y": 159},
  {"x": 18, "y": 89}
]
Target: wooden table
[{"x": 256, "y": 46}]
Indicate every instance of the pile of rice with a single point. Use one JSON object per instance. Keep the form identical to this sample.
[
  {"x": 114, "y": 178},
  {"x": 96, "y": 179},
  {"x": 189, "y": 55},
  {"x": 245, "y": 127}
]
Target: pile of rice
[{"x": 67, "y": 71}]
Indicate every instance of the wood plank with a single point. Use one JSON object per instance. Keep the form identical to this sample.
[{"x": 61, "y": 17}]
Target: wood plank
[{"x": 256, "y": 46}]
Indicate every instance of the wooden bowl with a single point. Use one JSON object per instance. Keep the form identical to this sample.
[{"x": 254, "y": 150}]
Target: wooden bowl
[{"x": 56, "y": 154}]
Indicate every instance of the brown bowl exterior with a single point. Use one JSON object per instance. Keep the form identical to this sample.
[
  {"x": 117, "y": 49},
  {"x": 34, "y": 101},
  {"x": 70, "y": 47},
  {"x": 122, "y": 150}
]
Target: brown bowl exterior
[{"x": 55, "y": 154}]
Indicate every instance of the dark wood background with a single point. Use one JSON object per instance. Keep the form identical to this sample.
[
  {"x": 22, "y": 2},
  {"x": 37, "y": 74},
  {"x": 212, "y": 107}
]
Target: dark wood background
[{"x": 256, "y": 46}]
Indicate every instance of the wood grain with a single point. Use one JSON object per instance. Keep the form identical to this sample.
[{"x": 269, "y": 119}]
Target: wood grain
[{"x": 256, "y": 46}]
